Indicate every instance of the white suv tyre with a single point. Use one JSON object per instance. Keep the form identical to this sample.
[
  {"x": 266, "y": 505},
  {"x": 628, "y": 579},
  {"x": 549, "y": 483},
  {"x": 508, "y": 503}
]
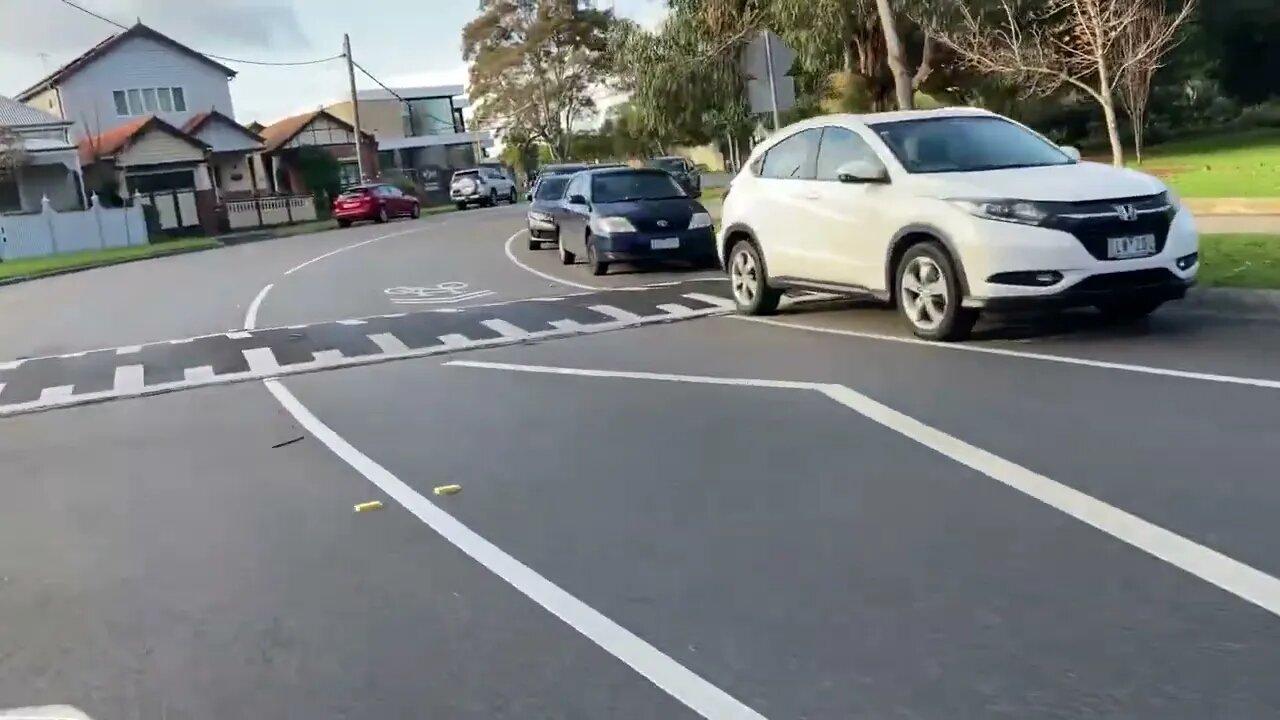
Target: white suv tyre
[
  {"x": 930, "y": 296},
  {"x": 749, "y": 281}
]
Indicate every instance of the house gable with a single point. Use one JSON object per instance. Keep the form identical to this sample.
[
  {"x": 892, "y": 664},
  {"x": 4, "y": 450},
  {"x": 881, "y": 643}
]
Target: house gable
[
  {"x": 316, "y": 128},
  {"x": 156, "y": 147},
  {"x": 143, "y": 62},
  {"x": 223, "y": 134}
]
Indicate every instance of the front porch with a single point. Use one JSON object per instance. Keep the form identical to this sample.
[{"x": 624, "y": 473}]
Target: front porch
[{"x": 45, "y": 173}]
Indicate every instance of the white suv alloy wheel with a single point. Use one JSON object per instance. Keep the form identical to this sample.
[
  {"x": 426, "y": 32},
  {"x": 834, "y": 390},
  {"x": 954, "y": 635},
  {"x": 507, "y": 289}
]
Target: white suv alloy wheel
[
  {"x": 924, "y": 293},
  {"x": 744, "y": 276}
]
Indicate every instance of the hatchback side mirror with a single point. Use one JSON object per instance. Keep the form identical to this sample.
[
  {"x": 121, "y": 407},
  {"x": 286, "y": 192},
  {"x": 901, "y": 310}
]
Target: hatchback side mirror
[
  {"x": 577, "y": 200},
  {"x": 1071, "y": 152},
  {"x": 862, "y": 171}
]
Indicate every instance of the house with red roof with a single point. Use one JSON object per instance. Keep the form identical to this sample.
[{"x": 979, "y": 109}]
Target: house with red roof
[{"x": 286, "y": 141}]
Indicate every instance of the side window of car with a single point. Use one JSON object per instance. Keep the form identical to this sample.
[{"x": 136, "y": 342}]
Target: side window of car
[
  {"x": 793, "y": 158},
  {"x": 840, "y": 146},
  {"x": 577, "y": 186}
]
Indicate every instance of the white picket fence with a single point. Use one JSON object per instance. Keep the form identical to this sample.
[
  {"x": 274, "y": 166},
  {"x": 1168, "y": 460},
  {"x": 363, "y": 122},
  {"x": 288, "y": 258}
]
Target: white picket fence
[
  {"x": 259, "y": 212},
  {"x": 56, "y": 233}
]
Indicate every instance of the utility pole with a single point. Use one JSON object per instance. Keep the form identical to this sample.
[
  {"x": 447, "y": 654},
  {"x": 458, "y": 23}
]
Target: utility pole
[
  {"x": 773, "y": 86},
  {"x": 355, "y": 106}
]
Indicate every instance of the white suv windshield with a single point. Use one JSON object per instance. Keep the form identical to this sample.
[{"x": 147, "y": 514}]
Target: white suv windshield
[{"x": 966, "y": 144}]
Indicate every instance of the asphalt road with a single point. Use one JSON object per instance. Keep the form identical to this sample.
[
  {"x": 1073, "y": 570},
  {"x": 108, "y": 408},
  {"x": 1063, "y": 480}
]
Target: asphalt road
[{"x": 665, "y": 511}]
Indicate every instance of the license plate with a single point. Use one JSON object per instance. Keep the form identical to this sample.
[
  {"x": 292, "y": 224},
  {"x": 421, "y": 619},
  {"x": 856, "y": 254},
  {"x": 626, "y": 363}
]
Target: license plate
[
  {"x": 664, "y": 243},
  {"x": 1131, "y": 246}
]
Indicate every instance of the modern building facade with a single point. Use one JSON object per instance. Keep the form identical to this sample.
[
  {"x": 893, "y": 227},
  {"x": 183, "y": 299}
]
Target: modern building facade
[{"x": 421, "y": 132}]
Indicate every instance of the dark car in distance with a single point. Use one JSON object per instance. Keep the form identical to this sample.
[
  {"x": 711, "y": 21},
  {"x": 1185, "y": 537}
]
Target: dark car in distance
[
  {"x": 375, "y": 202},
  {"x": 682, "y": 170},
  {"x": 631, "y": 215},
  {"x": 546, "y": 195}
]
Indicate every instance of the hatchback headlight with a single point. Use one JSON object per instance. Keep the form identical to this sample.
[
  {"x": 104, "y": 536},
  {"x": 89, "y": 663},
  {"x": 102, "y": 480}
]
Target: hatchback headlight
[
  {"x": 539, "y": 216},
  {"x": 700, "y": 220},
  {"x": 1014, "y": 211},
  {"x": 611, "y": 225}
]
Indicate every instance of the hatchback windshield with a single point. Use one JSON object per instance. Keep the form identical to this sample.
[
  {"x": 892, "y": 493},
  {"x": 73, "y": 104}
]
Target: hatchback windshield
[
  {"x": 620, "y": 187},
  {"x": 966, "y": 144},
  {"x": 669, "y": 164},
  {"x": 551, "y": 188}
]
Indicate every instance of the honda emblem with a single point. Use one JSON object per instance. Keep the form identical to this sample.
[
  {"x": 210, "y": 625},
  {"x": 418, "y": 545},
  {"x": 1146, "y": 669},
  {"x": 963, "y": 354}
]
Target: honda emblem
[
  {"x": 662, "y": 223},
  {"x": 1128, "y": 213}
]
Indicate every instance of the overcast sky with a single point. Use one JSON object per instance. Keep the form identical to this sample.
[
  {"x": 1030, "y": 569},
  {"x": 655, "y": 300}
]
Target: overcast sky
[{"x": 404, "y": 42}]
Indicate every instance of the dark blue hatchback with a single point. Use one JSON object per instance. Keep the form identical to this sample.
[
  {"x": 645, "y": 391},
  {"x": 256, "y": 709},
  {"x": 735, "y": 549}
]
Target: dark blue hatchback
[{"x": 632, "y": 215}]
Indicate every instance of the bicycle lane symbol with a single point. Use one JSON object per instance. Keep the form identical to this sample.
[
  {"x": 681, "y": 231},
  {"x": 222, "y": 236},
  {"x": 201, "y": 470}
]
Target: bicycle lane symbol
[{"x": 445, "y": 293}]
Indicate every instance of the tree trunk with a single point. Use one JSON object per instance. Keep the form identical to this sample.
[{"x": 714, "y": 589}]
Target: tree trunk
[
  {"x": 897, "y": 57},
  {"x": 1137, "y": 138},
  {"x": 1113, "y": 130}
]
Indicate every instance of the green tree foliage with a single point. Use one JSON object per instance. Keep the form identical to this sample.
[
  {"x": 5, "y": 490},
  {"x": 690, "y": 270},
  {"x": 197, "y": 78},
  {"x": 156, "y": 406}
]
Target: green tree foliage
[
  {"x": 319, "y": 170},
  {"x": 534, "y": 64},
  {"x": 1238, "y": 38}
]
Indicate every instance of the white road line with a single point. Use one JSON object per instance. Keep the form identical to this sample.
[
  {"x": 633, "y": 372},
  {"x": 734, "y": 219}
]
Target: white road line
[
  {"x": 239, "y": 335},
  {"x": 318, "y": 258},
  {"x": 455, "y": 340},
  {"x": 505, "y": 329},
  {"x": 1209, "y": 565},
  {"x": 676, "y": 309},
  {"x": 561, "y": 281},
  {"x": 261, "y": 360},
  {"x": 715, "y": 300},
  {"x": 128, "y": 379},
  {"x": 565, "y": 324},
  {"x": 1063, "y": 359},
  {"x": 184, "y": 341},
  {"x": 389, "y": 343},
  {"x": 616, "y": 313},
  {"x": 353, "y": 322},
  {"x": 69, "y": 356},
  {"x": 129, "y": 350},
  {"x": 202, "y": 374},
  {"x": 251, "y": 315},
  {"x": 11, "y": 364},
  {"x": 56, "y": 394},
  {"x": 681, "y": 683},
  {"x": 1, "y": 387},
  {"x": 329, "y": 356}
]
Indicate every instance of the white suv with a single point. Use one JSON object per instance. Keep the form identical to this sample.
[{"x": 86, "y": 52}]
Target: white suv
[
  {"x": 947, "y": 213},
  {"x": 482, "y": 186}
]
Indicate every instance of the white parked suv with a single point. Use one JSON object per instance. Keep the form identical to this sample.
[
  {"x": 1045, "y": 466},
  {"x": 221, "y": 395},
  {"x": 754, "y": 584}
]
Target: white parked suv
[
  {"x": 482, "y": 186},
  {"x": 947, "y": 213}
]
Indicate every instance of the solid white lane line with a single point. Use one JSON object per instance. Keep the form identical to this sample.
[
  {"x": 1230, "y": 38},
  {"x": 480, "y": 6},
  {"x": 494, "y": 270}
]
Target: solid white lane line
[
  {"x": 1063, "y": 359},
  {"x": 389, "y": 343},
  {"x": 261, "y": 360},
  {"x": 11, "y": 364},
  {"x": 616, "y": 313},
  {"x": 1209, "y": 565},
  {"x": 676, "y": 309},
  {"x": 318, "y": 258},
  {"x": 455, "y": 340},
  {"x": 202, "y": 374},
  {"x": 128, "y": 379},
  {"x": 666, "y": 377},
  {"x": 56, "y": 394},
  {"x": 565, "y": 324},
  {"x": 80, "y": 354},
  {"x": 239, "y": 335},
  {"x": 680, "y": 682},
  {"x": 129, "y": 350},
  {"x": 353, "y": 322},
  {"x": 505, "y": 329},
  {"x": 561, "y": 281},
  {"x": 251, "y": 315},
  {"x": 715, "y": 300}
]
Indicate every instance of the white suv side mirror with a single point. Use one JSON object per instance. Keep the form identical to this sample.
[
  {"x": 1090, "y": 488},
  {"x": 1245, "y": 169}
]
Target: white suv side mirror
[
  {"x": 862, "y": 171},
  {"x": 1071, "y": 152}
]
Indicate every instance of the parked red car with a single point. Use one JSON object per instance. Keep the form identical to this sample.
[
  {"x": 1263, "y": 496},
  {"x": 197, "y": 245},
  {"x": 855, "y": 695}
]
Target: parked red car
[{"x": 378, "y": 203}]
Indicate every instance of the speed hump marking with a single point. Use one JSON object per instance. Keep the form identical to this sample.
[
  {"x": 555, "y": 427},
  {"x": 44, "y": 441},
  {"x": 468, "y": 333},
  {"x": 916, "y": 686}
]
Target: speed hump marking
[{"x": 445, "y": 293}]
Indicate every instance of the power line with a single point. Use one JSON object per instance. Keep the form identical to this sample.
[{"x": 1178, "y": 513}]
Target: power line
[
  {"x": 397, "y": 96},
  {"x": 109, "y": 21}
]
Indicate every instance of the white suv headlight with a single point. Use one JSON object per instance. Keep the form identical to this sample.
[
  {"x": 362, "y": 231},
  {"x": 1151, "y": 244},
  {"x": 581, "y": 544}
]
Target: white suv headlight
[
  {"x": 1174, "y": 200},
  {"x": 539, "y": 216},
  {"x": 1014, "y": 211},
  {"x": 700, "y": 220},
  {"x": 611, "y": 225}
]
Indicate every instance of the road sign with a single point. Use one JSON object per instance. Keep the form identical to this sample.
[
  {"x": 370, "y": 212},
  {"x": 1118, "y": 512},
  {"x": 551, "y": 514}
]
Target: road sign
[{"x": 766, "y": 60}]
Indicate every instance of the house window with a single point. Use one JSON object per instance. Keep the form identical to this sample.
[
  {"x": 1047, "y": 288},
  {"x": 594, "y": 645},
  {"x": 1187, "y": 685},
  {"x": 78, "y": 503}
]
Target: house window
[
  {"x": 144, "y": 101},
  {"x": 431, "y": 116},
  {"x": 10, "y": 199}
]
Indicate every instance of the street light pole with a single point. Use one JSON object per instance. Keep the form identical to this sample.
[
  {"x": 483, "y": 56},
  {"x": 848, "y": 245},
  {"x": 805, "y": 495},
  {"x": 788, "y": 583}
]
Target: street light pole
[{"x": 355, "y": 106}]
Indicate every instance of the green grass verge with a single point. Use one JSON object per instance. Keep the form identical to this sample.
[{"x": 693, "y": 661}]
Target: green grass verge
[
  {"x": 1240, "y": 165},
  {"x": 54, "y": 263},
  {"x": 1243, "y": 261}
]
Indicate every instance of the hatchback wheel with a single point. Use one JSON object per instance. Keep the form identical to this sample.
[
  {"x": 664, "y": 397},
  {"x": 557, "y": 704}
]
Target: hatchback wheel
[
  {"x": 416, "y": 212},
  {"x": 566, "y": 257},
  {"x": 515, "y": 198},
  {"x": 929, "y": 295},
  {"x": 382, "y": 215},
  {"x": 747, "y": 279},
  {"x": 593, "y": 260}
]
